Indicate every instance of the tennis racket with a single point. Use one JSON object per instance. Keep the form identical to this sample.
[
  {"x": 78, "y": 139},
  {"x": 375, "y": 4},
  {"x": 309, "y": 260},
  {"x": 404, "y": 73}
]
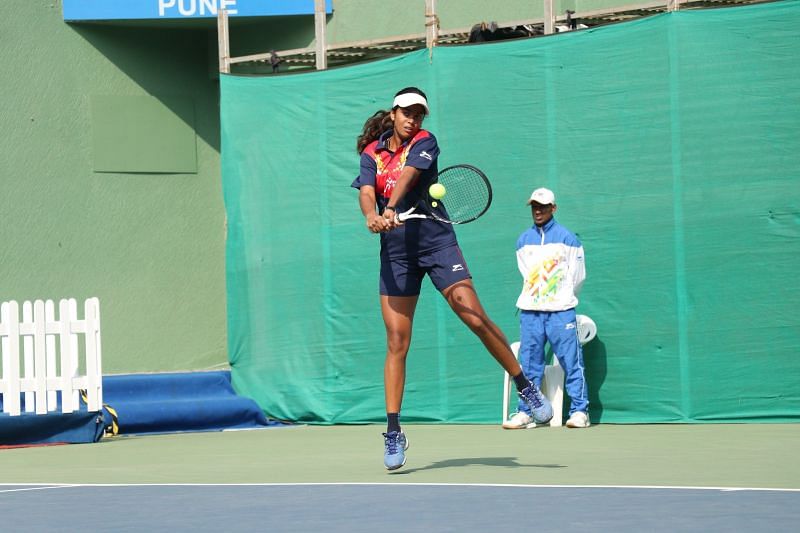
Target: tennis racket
[{"x": 468, "y": 196}]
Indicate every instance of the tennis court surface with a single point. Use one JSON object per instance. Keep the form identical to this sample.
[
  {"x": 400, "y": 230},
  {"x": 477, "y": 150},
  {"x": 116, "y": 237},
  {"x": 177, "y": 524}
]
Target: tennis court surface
[{"x": 458, "y": 478}]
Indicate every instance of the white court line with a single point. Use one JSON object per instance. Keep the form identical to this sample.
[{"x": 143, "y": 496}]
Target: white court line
[
  {"x": 399, "y": 484},
  {"x": 49, "y": 487}
]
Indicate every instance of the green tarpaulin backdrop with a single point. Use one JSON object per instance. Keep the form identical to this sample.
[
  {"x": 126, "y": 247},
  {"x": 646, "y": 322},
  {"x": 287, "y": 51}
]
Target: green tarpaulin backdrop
[{"x": 673, "y": 146}]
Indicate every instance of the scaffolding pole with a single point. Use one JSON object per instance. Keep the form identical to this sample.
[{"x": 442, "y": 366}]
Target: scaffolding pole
[
  {"x": 431, "y": 24},
  {"x": 319, "y": 34},
  {"x": 223, "y": 42}
]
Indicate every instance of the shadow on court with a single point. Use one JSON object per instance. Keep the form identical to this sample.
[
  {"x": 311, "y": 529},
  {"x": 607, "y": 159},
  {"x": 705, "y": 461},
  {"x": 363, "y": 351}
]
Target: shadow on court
[{"x": 502, "y": 462}]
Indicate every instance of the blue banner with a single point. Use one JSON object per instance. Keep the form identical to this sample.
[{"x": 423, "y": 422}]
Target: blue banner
[{"x": 77, "y": 10}]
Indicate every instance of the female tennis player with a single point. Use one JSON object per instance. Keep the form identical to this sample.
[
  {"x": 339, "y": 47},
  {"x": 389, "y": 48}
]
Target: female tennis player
[{"x": 398, "y": 163}]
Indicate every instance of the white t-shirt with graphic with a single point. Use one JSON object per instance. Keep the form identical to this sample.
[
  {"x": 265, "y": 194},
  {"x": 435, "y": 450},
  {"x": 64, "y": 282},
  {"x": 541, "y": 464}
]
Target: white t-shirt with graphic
[{"x": 551, "y": 262}]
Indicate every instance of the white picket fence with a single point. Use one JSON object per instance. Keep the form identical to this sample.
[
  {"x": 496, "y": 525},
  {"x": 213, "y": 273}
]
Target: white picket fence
[{"x": 41, "y": 355}]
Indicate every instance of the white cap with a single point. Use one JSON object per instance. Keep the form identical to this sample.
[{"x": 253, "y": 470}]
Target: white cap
[
  {"x": 409, "y": 99},
  {"x": 542, "y": 196}
]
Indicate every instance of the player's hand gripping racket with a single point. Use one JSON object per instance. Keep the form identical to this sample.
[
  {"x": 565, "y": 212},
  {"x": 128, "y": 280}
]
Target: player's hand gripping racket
[{"x": 467, "y": 194}]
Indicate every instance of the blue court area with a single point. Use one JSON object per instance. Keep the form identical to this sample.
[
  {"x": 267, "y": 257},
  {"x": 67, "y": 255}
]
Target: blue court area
[
  {"x": 411, "y": 507},
  {"x": 726, "y": 477}
]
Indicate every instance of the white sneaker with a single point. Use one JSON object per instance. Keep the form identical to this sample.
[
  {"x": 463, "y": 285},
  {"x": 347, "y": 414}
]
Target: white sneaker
[
  {"x": 519, "y": 420},
  {"x": 579, "y": 419}
]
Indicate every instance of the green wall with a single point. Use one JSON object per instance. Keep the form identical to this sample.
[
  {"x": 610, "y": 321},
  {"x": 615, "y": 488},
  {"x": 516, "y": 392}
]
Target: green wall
[{"x": 150, "y": 245}]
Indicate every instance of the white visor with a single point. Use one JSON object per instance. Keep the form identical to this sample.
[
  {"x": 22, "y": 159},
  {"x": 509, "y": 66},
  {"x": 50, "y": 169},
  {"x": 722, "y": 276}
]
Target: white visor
[{"x": 409, "y": 99}]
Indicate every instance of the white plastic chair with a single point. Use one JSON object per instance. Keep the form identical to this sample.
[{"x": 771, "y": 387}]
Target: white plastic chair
[{"x": 553, "y": 382}]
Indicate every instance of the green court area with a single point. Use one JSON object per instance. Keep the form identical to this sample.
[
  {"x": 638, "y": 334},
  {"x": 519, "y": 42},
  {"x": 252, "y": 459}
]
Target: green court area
[{"x": 709, "y": 455}]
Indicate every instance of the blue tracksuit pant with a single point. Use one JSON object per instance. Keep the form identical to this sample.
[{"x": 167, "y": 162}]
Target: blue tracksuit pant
[{"x": 559, "y": 328}]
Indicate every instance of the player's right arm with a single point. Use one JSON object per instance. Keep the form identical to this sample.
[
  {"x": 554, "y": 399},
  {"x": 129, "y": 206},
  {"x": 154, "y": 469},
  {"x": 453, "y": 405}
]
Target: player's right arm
[{"x": 366, "y": 200}]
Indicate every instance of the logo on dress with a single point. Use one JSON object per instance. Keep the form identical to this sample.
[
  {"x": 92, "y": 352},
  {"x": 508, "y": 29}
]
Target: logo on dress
[
  {"x": 426, "y": 155},
  {"x": 458, "y": 267}
]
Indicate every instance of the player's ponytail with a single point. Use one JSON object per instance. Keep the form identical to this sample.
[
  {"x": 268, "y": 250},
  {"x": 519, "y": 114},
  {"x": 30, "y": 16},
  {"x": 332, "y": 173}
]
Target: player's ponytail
[{"x": 373, "y": 127}]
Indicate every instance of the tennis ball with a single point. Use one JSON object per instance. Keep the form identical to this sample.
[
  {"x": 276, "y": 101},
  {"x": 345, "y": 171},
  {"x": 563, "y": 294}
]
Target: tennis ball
[{"x": 437, "y": 191}]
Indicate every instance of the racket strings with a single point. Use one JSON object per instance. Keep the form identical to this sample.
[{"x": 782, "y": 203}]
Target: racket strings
[{"x": 468, "y": 193}]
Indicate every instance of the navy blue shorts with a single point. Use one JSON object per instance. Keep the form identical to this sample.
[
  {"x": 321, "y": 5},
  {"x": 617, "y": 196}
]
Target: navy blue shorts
[{"x": 403, "y": 277}]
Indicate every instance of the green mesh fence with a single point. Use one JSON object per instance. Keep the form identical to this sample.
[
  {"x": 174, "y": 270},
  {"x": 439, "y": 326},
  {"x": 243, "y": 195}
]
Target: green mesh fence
[{"x": 673, "y": 146}]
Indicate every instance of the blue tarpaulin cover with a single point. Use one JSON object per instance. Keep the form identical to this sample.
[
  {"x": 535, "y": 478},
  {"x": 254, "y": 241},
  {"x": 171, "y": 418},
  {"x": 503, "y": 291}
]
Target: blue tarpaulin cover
[
  {"x": 73, "y": 428},
  {"x": 187, "y": 401},
  {"x": 143, "y": 403}
]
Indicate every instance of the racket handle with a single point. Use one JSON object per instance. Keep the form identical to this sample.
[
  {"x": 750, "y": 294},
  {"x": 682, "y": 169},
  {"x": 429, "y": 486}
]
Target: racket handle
[
  {"x": 405, "y": 215},
  {"x": 403, "y": 218}
]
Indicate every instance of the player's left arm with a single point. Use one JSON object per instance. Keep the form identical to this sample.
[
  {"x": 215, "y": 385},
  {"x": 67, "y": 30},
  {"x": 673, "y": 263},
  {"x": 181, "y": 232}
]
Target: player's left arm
[
  {"x": 422, "y": 155},
  {"x": 408, "y": 178}
]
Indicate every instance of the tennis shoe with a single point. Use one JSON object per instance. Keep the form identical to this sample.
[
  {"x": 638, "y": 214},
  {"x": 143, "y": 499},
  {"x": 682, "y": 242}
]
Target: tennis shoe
[
  {"x": 395, "y": 445},
  {"x": 519, "y": 420},
  {"x": 540, "y": 406},
  {"x": 578, "y": 419}
]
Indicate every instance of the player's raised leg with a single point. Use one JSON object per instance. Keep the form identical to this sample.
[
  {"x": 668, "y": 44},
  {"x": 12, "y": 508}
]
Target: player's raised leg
[{"x": 463, "y": 299}]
